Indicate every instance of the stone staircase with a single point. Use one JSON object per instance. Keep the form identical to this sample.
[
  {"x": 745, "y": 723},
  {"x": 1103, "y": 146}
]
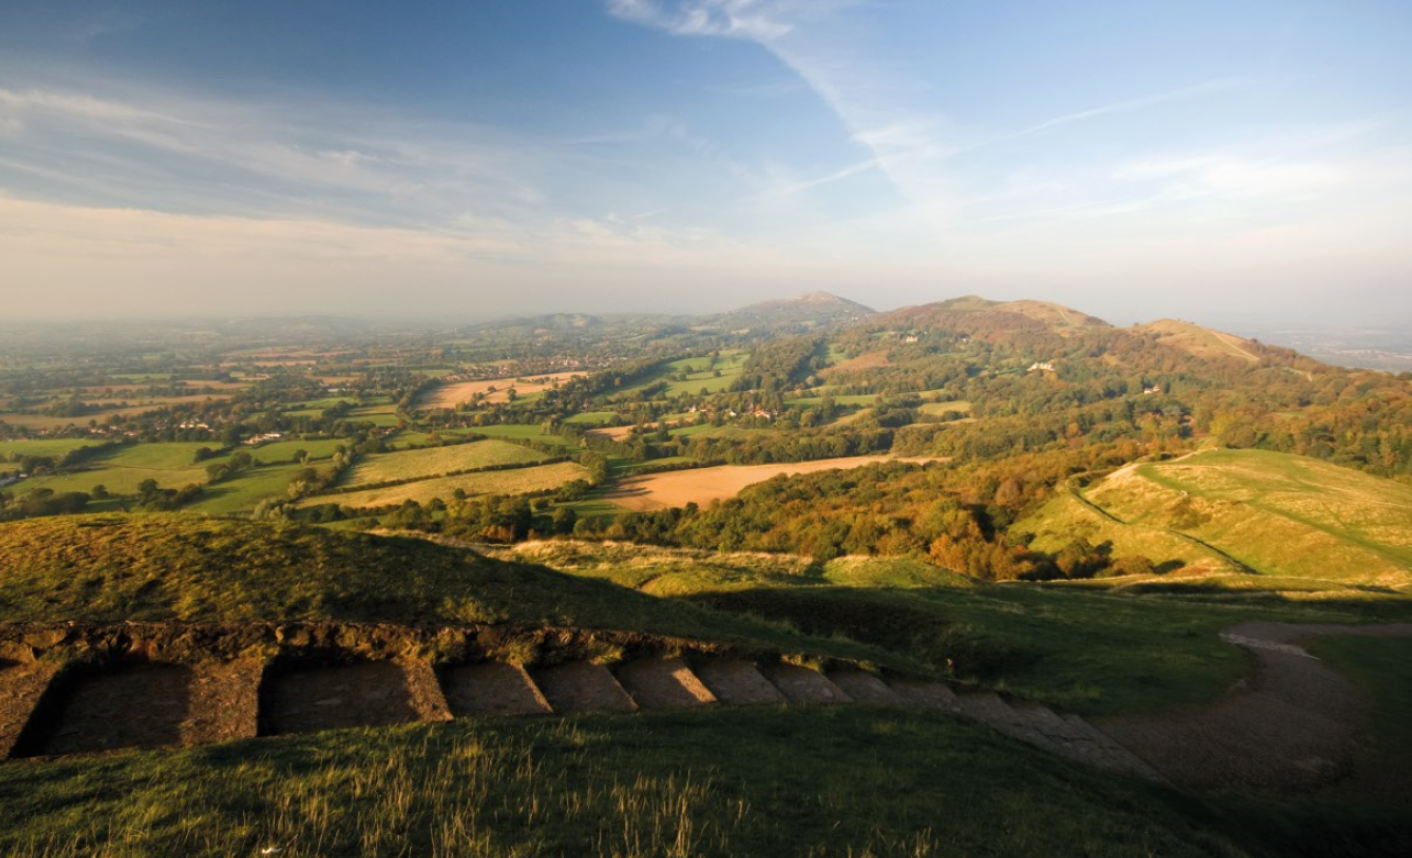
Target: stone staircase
[{"x": 46, "y": 711}]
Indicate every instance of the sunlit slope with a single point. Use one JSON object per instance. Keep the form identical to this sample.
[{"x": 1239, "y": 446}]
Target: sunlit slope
[
  {"x": 1199, "y": 341},
  {"x": 1272, "y": 513}
]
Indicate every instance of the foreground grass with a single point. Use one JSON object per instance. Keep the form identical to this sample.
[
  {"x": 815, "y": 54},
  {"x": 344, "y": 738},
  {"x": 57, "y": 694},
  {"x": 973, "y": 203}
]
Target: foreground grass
[{"x": 853, "y": 781}]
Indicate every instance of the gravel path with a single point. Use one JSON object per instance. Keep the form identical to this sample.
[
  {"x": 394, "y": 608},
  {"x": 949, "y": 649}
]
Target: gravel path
[{"x": 1291, "y": 725}]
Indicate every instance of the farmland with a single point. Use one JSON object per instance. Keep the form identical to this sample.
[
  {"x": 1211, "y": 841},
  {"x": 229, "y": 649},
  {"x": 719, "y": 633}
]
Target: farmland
[
  {"x": 454, "y": 393},
  {"x": 703, "y": 485},
  {"x": 436, "y": 461},
  {"x": 508, "y": 482}
]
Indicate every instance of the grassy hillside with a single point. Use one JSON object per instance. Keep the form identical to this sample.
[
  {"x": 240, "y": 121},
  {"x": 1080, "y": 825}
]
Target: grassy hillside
[
  {"x": 183, "y": 568},
  {"x": 1271, "y": 513},
  {"x": 1200, "y": 342}
]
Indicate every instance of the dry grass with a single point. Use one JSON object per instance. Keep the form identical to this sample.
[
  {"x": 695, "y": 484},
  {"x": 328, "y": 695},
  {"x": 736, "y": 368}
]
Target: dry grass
[{"x": 456, "y": 393}]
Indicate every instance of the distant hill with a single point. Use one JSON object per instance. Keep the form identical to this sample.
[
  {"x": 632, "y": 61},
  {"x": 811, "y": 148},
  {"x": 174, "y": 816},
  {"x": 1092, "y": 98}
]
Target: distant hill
[
  {"x": 979, "y": 317},
  {"x": 813, "y": 309},
  {"x": 1201, "y": 342}
]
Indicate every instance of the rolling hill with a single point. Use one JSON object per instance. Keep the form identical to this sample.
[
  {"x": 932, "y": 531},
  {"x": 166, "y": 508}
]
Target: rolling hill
[
  {"x": 1201, "y": 342},
  {"x": 809, "y": 310},
  {"x": 982, "y": 318},
  {"x": 1243, "y": 511}
]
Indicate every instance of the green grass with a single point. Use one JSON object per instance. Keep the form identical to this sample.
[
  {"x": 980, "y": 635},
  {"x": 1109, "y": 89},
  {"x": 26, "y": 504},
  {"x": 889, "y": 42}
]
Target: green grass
[
  {"x": 593, "y": 418},
  {"x": 1275, "y": 513},
  {"x": 527, "y": 432},
  {"x": 795, "y": 782},
  {"x": 244, "y": 492},
  {"x": 508, "y": 482},
  {"x": 435, "y": 461},
  {"x": 841, "y": 399},
  {"x": 172, "y": 465},
  {"x": 56, "y": 447}
]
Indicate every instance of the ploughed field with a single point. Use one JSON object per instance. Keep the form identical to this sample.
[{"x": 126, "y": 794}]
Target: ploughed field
[{"x": 703, "y": 485}]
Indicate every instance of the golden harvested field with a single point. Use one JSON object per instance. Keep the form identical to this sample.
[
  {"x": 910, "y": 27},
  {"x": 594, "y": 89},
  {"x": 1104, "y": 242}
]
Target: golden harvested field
[
  {"x": 451, "y": 395},
  {"x": 867, "y": 360},
  {"x": 509, "y": 482},
  {"x": 435, "y": 461},
  {"x": 703, "y": 485}
]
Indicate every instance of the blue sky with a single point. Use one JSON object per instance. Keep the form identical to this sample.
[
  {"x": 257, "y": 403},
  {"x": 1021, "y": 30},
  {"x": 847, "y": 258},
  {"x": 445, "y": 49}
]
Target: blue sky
[{"x": 1239, "y": 163}]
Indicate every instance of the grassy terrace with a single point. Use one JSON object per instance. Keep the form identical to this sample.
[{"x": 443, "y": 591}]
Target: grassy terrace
[{"x": 175, "y": 567}]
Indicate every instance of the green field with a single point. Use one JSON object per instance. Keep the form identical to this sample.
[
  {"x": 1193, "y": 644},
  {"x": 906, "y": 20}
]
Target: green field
[
  {"x": 172, "y": 465},
  {"x": 1272, "y": 513},
  {"x": 515, "y": 481},
  {"x": 55, "y": 447},
  {"x": 245, "y": 491},
  {"x": 593, "y": 418},
  {"x": 436, "y": 461},
  {"x": 526, "y": 432}
]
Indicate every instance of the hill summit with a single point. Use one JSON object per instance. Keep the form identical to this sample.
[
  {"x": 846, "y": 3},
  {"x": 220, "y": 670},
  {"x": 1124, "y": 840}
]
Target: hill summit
[
  {"x": 813, "y": 308},
  {"x": 981, "y": 317}
]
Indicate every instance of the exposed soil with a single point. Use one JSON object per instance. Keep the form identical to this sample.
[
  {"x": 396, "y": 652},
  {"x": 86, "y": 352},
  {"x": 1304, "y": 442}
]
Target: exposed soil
[
  {"x": 312, "y": 698},
  {"x": 129, "y": 706},
  {"x": 21, "y": 687},
  {"x": 1291, "y": 725}
]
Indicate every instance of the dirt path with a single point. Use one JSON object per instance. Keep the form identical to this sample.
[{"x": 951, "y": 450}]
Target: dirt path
[{"x": 1293, "y": 724}]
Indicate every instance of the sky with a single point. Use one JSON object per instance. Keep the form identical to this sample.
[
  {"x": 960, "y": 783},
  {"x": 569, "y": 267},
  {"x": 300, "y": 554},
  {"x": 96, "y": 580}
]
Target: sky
[{"x": 1246, "y": 164}]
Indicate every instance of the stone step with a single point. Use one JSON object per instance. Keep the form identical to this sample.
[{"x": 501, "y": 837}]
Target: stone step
[
  {"x": 737, "y": 683},
  {"x": 308, "y": 698},
  {"x": 225, "y": 702},
  {"x": 1112, "y": 755},
  {"x": 864, "y": 687},
  {"x": 991, "y": 709},
  {"x": 22, "y": 689},
  {"x": 804, "y": 685},
  {"x": 580, "y": 686},
  {"x": 656, "y": 683},
  {"x": 926, "y": 692},
  {"x": 493, "y": 688}
]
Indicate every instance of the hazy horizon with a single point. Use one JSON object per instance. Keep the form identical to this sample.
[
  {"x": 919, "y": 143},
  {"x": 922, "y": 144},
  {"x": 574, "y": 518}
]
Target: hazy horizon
[{"x": 1247, "y": 166}]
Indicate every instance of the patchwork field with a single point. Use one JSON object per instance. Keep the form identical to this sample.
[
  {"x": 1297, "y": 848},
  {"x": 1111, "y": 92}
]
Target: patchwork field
[
  {"x": 703, "y": 485},
  {"x": 436, "y": 461},
  {"x": 1273, "y": 513},
  {"x": 509, "y": 482},
  {"x": 496, "y": 390}
]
